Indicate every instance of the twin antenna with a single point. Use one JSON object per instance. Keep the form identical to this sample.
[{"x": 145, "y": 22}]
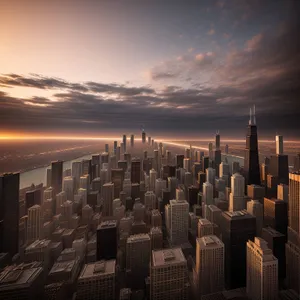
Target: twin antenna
[{"x": 252, "y": 120}]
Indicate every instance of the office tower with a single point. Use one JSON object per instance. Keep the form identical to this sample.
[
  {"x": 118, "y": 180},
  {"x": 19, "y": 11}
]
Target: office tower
[
  {"x": 67, "y": 212},
  {"x": 160, "y": 184},
  {"x": 153, "y": 176},
  {"x": 32, "y": 198},
  {"x": 168, "y": 266},
  {"x": 279, "y": 166},
  {"x": 208, "y": 193},
  {"x": 97, "y": 281},
  {"x": 136, "y": 171},
  {"x": 224, "y": 169},
  {"x": 12, "y": 282},
  {"x": 84, "y": 182},
  {"x": 122, "y": 164},
  {"x": 106, "y": 148},
  {"x": 34, "y": 223},
  {"x": 210, "y": 151},
  {"x": 156, "y": 218},
  {"x": 235, "y": 166},
  {"x": 135, "y": 191},
  {"x": 48, "y": 177},
  {"x": 213, "y": 214},
  {"x": 179, "y": 217},
  {"x": 156, "y": 238},
  {"x": 293, "y": 244},
  {"x": 237, "y": 195},
  {"x": 113, "y": 162},
  {"x": 256, "y": 209},
  {"x": 9, "y": 213},
  {"x": 283, "y": 192},
  {"x": 251, "y": 165},
  {"x": 276, "y": 242},
  {"x": 145, "y": 154},
  {"x": 172, "y": 185},
  {"x": 188, "y": 179},
  {"x": 107, "y": 240},
  {"x": 179, "y": 160},
  {"x": 262, "y": 271},
  {"x": 117, "y": 177},
  {"x": 60, "y": 199},
  {"x": 201, "y": 180},
  {"x": 82, "y": 193},
  {"x": 132, "y": 141},
  {"x": 220, "y": 185},
  {"x": 180, "y": 195},
  {"x": 256, "y": 192},
  {"x": 86, "y": 166},
  {"x": 115, "y": 147},
  {"x": 127, "y": 187},
  {"x": 76, "y": 173},
  {"x": 150, "y": 200},
  {"x": 187, "y": 164},
  {"x": 118, "y": 153},
  {"x": 226, "y": 149},
  {"x": 196, "y": 168},
  {"x": 56, "y": 176},
  {"x": 192, "y": 194},
  {"x": 97, "y": 185},
  {"x": 143, "y": 137},
  {"x": 108, "y": 197},
  {"x": 205, "y": 227},
  {"x": 69, "y": 187},
  {"x": 210, "y": 175},
  {"x": 187, "y": 153},
  {"x": 205, "y": 163},
  {"x": 237, "y": 228},
  {"x": 276, "y": 214},
  {"x": 124, "y": 142},
  {"x": 272, "y": 183},
  {"x": 95, "y": 160},
  {"x": 209, "y": 265},
  {"x": 138, "y": 249}
]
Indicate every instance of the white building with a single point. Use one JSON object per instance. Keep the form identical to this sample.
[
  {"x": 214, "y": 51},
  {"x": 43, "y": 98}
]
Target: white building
[{"x": 237, "y": 195}]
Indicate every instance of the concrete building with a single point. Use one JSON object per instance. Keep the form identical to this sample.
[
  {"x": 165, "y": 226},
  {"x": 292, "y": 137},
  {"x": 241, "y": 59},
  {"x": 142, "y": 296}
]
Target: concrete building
[
  {"x": 256, "y": 209},
  {"x": 237, "y": 195},
  {"x": 160, "y": 184},
  {"x": 262, "y": 271},
  {"x": 205, "y": 227},
  {"x": 69, "y": 187},
  {"x": 138, "y": 248},
  {"x": 179, "y": 221},
  {"x": 108, "y": 197},
  {"x": 208, "y": 193},
  {"x": 209, "y": 265},
  {"x": 34, "y": 223},
  {"x": 150, "y": 200},
  {"x": 152, "y": 180},
  {"x": 168, "y": 275},
  {"x": 97, "y": 281}
]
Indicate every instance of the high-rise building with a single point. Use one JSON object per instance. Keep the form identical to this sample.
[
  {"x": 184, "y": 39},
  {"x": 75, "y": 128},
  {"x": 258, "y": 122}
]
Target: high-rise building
[
  {"x": 153, "y": 176},
  {"x": 237, "y": 228},
  {"x": 187, "y": 164},
  {"x": 251, "y": 165},
  {"x": 107, "y": 240},
  {"x": 97, "y": 281},
  {"x": 117, "y": 177},
  {"x": 283, "y": 192},
  {"x": 150, "y": 200},
  {"x": 209, "y": 265},
  {"x": 179, "y": 221},
  {"x": 172, "y": 185},
  {"x": 256, "y": 192},
  {"x": 262, "y": 271},
  {"x": 32, "y": 198},
  {"x": 276, "y": 242},
  {"x": 237, "y": 195},
  {"x": 297, "y": 163},
  {"x": 208, "y": 193},
  {"x": 108, "y": 197},
  {"x": 293, "y": 244},
  {"x": 69, "y": 187},
  {"x": 135, "y": 171},
  {"x": 179, "y": 160},
  {"x": 256, "y": 209},
  {"x": 279, "y": 144},
  {"x": 124, "y": 142},
  {"x": 276, "y": 214},
  {"x": 143, "y": 137},
  {"x": 56, "y": 176},
  {"x": 205, "y": 227},
  {"x": 9, "y": 213},
  {"x": 34, "y": 223},
  {"x": 210, "y": 175},
  {"x": 138, "y": 249},
  {"x": 168, "y": 275}
]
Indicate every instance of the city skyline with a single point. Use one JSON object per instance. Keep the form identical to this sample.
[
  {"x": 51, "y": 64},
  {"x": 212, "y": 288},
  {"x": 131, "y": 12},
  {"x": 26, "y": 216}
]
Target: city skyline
[{"x": 94, "y": 68}]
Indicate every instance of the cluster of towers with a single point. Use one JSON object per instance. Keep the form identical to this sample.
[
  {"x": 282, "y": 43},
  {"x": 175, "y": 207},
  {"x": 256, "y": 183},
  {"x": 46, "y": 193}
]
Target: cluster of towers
[{"x": 140, "y": 221}]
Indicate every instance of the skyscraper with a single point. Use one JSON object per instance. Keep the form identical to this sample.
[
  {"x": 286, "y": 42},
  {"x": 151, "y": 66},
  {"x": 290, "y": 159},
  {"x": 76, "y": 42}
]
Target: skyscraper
[
  {"x": 168, "y": 275},
  {"x": 143, "y": 136},
  {"x": 9, "y": 213},
  {"x": 124, "y": 142},
  {"x": 217, "y": 156},
  {"x": 34, "y": 223},
  {"x": 237, "y": 200},
  {"x": 117, "y": 177},
  {"x": 251, "y": 165},
  {"x": 135, "y": 171},
  {"x": 262, "y": 271},
  {"x": 108, "y": 197},
  {"x": 209, "y": 265},
  {"x": 56, "y": 176},
  {"x": 132, "y": 140}
]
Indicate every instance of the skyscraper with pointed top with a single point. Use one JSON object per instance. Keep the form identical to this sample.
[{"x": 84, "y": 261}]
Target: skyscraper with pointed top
[{"x": 251, "y": 164}]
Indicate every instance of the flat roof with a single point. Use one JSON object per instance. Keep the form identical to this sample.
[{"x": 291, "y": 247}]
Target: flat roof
[
  {"x": 204, "y": 222},
  {"x": 240, "y": 214},
  {"x": 138, "y": 237},
  {"x": 272, "y": 231},
  {"x": 98, "y": 268},
  {"x": 209, "y": 241},
  {"x": 167, "y": 256}
]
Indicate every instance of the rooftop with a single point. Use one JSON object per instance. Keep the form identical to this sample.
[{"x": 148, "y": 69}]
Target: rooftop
[
  {"x": 138, "y": 237},
  {"x": 63, "y": 266},
  {"x": 272, "y": 231},
  {"x": 167, "y": 256},
  {"x": 108, "y": 224},
  {"x": 97, "y": 269},
  {"x": 204, "y": 222},
  {"x": 209, "y": 241},
  {"x": 237, "y": 214}
]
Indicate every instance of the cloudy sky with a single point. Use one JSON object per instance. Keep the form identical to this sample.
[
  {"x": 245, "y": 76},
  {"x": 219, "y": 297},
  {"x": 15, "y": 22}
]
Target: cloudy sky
[{"x": 180, "y": 68}]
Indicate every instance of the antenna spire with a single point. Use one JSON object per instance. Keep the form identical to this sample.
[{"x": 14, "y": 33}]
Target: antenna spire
[
  {"x": 250, "y": 120},
  {"x": 254, "y": 117}
]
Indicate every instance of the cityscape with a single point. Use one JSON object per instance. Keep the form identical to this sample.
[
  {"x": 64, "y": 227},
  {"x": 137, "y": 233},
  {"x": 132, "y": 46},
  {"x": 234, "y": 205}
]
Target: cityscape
[{"x": 149, "y": 150}]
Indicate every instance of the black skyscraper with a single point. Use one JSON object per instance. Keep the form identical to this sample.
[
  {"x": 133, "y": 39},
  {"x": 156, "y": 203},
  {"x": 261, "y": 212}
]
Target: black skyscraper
[
  {"x": 56, "y": 176},
  {"x": 9, "y": 213},
  {"x": 251, "y": 165},
  {"x": 179, "y": 160},
  {"x": 143, "y": 137},
  {"x": 135, "y": 171},
  {"x": 107, "y": 240},
  {"x": 237, "y": 228}
]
